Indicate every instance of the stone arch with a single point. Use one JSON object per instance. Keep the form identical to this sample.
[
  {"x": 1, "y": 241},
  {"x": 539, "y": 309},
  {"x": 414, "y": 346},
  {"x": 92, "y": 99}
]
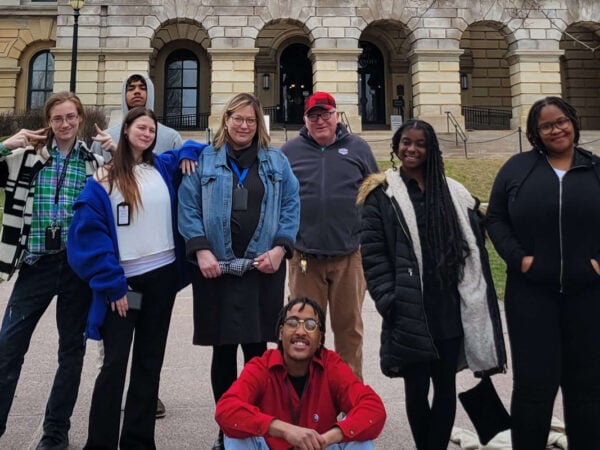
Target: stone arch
[
  {"x": 173, "y": 35},
  {"x": 486, "y": 97},
  {"x": 393, "y": 39},
  {"x": 580, "y": 71},
  {"x": 272, "y": 40}
]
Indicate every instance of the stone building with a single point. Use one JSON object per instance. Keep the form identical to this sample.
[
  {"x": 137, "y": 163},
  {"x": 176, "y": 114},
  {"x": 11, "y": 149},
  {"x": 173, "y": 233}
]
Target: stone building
[{"x": 379, "y": 58}]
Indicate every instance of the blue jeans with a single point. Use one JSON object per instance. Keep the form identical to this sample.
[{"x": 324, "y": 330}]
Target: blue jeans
[
  {"x": 258, "y": 443},
  {"x": 34, "y": 289}
]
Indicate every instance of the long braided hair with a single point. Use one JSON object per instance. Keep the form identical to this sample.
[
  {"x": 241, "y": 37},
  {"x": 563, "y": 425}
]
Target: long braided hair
[{"x": 442, "y": 229}]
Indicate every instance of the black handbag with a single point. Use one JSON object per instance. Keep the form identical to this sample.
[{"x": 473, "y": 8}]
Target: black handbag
[{"x": 485, "y": 409}]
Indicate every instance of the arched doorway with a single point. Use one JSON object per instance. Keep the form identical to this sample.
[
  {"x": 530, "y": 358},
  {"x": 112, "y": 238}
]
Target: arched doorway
[
  {"x": 295, "y": 82},
  {"x": 371, "y": 84}
]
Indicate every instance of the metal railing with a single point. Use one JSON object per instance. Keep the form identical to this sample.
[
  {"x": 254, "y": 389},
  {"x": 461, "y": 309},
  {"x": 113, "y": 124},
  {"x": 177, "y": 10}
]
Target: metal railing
[
  {"x": 477, "y": 118},
  {"x": 197, "y": 121},
  {"x": 458, "y": 131},
  {"x": 345, "y": 121}
]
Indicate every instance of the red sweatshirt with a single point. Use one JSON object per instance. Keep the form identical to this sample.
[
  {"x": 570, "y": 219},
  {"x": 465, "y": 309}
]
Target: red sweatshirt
[{"x": 263, "y": 392}]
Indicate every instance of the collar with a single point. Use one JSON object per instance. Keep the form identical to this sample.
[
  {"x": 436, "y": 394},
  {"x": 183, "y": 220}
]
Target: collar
[
  {"x": 275, "y": 360},
  {"x": 76, "y": 149}
]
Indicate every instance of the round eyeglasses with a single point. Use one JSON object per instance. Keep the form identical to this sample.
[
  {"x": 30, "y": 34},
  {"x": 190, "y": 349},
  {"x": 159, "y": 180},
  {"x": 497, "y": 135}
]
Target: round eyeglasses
[{"x": 310, "y": 325}]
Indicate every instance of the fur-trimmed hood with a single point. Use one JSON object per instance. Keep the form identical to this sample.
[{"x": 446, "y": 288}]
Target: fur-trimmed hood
[{"x": 371, "y": 182}]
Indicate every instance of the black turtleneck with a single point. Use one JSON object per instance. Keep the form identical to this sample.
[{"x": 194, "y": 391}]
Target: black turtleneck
[{"x": 244, "y": 223}]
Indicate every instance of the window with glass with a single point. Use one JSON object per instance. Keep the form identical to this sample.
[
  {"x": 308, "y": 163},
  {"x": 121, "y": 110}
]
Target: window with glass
[
  {"x": 181, "y": 90},
  {"x": 41, "y": 79}
]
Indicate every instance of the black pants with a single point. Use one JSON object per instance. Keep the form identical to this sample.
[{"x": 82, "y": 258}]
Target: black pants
[
  {"x": 431, "y": 425},
  {"x": 555, "y": 341},
  {"x": 223, "y": 370},
  {"x": 151, "y": 326},
  {"x": 34, "y": 289}
]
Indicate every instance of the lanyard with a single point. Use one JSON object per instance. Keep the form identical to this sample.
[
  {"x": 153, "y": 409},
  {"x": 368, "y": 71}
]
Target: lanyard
[
  {"x": 60, "y": 180},
  {"x": 240, "y": 176}
]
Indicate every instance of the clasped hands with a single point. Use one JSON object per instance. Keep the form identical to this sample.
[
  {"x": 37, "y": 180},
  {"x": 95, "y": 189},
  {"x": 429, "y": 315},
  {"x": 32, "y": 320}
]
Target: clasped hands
[{"x": 268, "y": 262}]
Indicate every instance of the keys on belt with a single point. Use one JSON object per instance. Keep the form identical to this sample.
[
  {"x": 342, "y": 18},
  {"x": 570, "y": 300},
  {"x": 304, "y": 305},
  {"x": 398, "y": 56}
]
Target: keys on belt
[{"x": 303, "y": 264}]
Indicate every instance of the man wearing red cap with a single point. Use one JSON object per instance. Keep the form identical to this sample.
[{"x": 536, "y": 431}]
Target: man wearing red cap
[{"x": 330, "y": 164}]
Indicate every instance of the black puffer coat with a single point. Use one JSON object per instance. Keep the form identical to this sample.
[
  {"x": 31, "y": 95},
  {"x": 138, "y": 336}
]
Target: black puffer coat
[{"x": 391, "y": 253}]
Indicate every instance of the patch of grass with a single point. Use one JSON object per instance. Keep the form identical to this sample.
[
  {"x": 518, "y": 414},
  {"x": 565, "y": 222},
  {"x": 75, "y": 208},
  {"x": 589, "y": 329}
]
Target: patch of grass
[{"x": 478, "y": 176}]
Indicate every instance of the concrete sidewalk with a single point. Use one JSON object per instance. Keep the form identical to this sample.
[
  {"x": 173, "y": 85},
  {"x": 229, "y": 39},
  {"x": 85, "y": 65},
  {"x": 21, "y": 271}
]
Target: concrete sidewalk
[{"x": 185, "y": 387}]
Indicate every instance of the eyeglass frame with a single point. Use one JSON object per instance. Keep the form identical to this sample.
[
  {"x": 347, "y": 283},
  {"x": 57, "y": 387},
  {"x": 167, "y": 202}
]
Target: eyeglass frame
[
  {"x": 548, "y": 127},
  {"x": 302, "y": 322},
  {"x": 250, "y": 121},
  {"x": 317, "y": 116},
  {"x": 59, "y": 120}
]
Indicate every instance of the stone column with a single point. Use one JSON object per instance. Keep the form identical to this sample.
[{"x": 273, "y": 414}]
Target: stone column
[
  {"x": 436, "y": 86},
  {"x": 335, "y": 71},
  {"x": 232, "y": 73},
  {"x": 534, "y": 74},
  {"x": 8, "y": 84}
]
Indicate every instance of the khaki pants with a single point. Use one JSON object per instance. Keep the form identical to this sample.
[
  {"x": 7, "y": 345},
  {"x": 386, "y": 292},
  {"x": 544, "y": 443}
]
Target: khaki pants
[{"x": 338, "y": 281}]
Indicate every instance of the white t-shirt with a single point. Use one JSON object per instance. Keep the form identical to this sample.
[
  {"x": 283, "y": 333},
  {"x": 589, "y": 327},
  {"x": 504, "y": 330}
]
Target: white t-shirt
[{"x": 147, "y": 242}]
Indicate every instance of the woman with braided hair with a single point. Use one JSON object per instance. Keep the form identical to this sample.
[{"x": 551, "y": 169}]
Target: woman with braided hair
[{"x": 427, "y": 270}]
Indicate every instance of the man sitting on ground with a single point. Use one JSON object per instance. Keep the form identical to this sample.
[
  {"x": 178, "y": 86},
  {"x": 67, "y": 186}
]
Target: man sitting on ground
[{"x": 300, "y": 395}]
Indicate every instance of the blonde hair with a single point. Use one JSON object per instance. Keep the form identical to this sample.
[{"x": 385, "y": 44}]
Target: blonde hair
[{"x": 239, "y": 101}]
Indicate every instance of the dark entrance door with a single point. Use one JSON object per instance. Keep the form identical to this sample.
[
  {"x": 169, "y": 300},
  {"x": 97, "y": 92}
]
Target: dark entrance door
[
  {"x": 296, "y": 82},
  {"x": 371, "y": 86}
]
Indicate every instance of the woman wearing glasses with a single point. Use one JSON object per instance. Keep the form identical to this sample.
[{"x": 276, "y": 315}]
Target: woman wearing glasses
[
  {"x": 239, "y": 215},
  {"x": 543, "y": 218}
]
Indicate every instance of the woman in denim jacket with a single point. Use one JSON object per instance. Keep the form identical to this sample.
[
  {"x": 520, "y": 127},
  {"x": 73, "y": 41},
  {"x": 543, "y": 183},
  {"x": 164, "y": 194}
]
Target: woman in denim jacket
[{"x": 239, "y": 215}]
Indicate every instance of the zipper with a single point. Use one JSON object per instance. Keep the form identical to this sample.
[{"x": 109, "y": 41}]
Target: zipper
[
  {"x": 560, "y": 231},
  {"x": 560, "y": 225}
]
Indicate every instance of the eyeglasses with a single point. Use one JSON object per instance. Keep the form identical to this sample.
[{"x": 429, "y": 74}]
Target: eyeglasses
[
  {"x": 310, "y": 325},
  {"x": 238, "y": 120},
  {"x": 58, "y": 120},
  {"x": 547, "y": 127},
  {"x": 324, "y": 115}
]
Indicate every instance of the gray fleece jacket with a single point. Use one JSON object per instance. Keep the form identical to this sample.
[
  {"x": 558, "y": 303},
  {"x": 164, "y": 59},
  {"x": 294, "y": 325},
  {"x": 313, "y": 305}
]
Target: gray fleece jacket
[{"x": 166, "y": 138}]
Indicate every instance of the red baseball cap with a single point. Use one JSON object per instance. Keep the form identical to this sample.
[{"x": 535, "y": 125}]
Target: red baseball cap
[{"x": 321, "y": 100}]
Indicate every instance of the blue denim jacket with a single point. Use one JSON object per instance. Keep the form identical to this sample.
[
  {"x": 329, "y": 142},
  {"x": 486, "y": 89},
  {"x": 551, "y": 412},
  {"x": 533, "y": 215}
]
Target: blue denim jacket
[{"x": 205, "y": 203}]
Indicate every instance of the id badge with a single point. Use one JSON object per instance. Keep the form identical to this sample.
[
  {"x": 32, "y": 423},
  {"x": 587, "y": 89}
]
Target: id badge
[
  {"x": 240, "y": 199},
  {"x": 52, "y": 239},
  {"x": 122, "y": 214}
]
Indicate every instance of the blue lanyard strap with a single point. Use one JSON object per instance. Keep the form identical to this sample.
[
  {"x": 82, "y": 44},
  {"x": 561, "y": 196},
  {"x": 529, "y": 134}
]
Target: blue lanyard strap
[{"x": 240, "y": 176}]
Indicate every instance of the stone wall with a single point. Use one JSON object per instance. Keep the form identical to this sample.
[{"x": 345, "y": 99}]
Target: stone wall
[{"x": 513, "y": 56}]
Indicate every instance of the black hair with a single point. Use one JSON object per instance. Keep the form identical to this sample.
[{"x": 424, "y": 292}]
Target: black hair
[
  {"x": 136, "y": 77},
  {"x": 533, "y": 134},
  {"x": 304, "y": 301},
  {"x": 442, "y": 230}
]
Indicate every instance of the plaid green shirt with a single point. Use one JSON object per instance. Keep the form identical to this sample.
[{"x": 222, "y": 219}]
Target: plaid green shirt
[{"x": 44, "y": 210}]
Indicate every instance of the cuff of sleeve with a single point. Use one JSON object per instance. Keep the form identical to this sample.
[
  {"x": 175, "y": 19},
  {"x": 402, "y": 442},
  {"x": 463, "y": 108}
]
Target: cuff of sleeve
[
  {"x": 3, "y": 150},
  {"x": 287, "y": 244},
  {"x": 195, "y": 244}
]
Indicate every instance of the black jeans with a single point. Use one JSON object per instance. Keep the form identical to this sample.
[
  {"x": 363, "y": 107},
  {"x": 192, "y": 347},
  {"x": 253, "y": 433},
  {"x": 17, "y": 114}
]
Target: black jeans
[
  {"x": 554, "y": 341},
  {"x": 34, "y": 289},
  {"x": 151, "y": 326},
  {"x": 431, "y": 425}
]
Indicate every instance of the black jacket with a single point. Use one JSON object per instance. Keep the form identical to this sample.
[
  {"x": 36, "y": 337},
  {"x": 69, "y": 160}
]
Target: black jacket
[
  {"x": 392, "y": 263},
  {"x": 534, "y": 213}
]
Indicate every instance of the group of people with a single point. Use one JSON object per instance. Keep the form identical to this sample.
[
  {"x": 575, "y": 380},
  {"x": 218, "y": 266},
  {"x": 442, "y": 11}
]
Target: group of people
[{"x": 116, "y": 232}]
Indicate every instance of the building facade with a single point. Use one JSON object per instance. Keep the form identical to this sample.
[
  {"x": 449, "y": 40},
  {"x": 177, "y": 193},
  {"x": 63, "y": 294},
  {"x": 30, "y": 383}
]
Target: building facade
[{"x": 379, "y": 58}]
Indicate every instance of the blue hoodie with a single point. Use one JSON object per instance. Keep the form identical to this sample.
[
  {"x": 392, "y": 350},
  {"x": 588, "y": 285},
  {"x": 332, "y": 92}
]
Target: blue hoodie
[{"x": 92, "y": 247}]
